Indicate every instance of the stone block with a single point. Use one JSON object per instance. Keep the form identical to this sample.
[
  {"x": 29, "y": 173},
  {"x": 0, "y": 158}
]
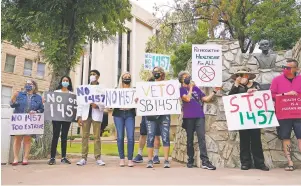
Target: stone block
[
  {"x": 216, "y": 159},
  {"x": 225, "y": 48},
  {"x": 232, "y": 135},
  {"x": 234, "y": 46},
  {"x": 180, "y": 156},
  {"x": 226, "y": 76},
  {"x": 227, "y": 86},
  {"x": 227, "y": 150},
  {"x": 268, "y": 159},
  {"x": 174, "y": 153},
  {"x": 221, "y": 145},
  {"x": 288, "y": 54},
  {"x": 229, "y": 56},
  {"x": 220, "y": 104},
  {"x": 234, "y": 69},
  {"x": 219, "y": 126},
  {"x": 234, "y": 51},
  {"x": 211, "y": 144},
  {"x": 221, "y": 116},
  {"x": 219, "y": 135},
  {"x": 226, "y": 64},
  {"x": 210, "y": 109},
  {"x": 275, "y": 144},
  {"x": 278, "y": 156},
  {"x": 252, "y": 61},
  {"x": 254, "y": 68},
  {"x": 230, "y": 163}
]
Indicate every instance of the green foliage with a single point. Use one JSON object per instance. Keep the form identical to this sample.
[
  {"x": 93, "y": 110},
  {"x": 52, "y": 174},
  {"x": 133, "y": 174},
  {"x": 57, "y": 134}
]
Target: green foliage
[
  {"x": 180, "y": 57},
  {"x": 106, "y": 134}
]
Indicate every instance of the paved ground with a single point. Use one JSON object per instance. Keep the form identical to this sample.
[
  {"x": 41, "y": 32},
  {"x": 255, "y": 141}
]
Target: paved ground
[{"x": 38, "y": 172}]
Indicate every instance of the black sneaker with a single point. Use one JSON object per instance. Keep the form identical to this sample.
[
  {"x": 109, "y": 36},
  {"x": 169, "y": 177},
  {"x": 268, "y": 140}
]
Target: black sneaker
[
  {"x": 65, "y": 161},
  {"x": 51, "y": 161},
  {"x": 189, "y": 165},
  {"x": 264, "y": 168},
  {"x": 208, "y": 165},
  {"x": 150, "y": 164}
]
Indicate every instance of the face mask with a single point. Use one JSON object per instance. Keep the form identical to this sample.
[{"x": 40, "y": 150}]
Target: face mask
[
  {"x": 65, "y": 84},
  {"x": 28, "y": 88},
  {"x": 127, "y": 81},
  {"x": 187, "y": 80},
  {"x": 157, "y": 75},
  {"x": 92, "y": 78},
  {"x": 244, "y": 81}
]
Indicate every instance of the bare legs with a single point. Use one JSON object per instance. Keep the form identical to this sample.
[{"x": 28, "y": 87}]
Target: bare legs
[{"x": 17, "y": 146}]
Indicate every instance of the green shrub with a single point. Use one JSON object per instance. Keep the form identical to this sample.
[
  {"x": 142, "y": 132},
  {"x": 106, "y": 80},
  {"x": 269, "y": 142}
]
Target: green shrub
[
  {"x": 106, "y": 134},
  {"x": 91, "y": 137}
]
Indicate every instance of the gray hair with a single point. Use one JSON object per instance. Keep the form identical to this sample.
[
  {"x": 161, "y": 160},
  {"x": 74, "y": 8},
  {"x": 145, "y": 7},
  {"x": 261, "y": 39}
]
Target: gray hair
[{"x": 180, "y": 75}]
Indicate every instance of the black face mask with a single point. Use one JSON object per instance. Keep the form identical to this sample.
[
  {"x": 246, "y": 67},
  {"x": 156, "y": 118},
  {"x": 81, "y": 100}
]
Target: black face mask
[
  {"x": 127, "y": 81},
  {"x": 157, "y": 75},
  {"x": 187, "y": 80}
]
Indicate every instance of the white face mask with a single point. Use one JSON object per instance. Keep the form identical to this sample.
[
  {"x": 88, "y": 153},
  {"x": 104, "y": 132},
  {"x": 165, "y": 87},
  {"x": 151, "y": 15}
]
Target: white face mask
[{"x": 92, "y": 78}]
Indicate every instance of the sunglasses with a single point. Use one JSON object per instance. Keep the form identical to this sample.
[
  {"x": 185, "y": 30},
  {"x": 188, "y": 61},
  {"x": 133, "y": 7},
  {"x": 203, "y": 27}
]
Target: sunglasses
[{"x": 287, "y": 67}]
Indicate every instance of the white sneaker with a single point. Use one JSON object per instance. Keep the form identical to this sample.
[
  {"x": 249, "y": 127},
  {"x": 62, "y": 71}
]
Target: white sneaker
[
  {"x": 81, "y": 162},
  {"x": 100, "y": 163}
]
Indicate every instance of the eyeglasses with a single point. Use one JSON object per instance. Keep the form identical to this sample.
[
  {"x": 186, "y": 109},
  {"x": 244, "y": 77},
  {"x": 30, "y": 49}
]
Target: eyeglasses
[{"x": 287, "y": 67}]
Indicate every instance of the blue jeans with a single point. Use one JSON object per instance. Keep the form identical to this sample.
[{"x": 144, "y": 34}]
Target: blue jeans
[
  {"x": 164, "y": 124},
  {"x": 126, "y": 121}
]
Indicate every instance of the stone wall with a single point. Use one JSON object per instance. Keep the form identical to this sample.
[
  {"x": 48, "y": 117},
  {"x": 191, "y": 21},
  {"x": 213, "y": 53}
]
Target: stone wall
[{"x": 222, "y": 145}]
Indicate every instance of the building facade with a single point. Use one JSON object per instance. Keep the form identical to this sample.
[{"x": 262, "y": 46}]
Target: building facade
[{"x": 19, "y": 65}]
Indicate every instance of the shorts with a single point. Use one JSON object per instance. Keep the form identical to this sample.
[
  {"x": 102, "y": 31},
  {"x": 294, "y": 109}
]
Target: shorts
[
  {"x": 286, "y": 127},
  {"x": 143, "y": 128}
]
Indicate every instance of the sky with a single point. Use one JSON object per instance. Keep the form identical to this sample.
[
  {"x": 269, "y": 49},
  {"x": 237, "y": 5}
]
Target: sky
[{"x": 149, "y": 4}]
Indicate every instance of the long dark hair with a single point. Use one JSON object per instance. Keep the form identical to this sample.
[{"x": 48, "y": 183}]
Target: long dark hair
[{"x": 70, "y": 87}]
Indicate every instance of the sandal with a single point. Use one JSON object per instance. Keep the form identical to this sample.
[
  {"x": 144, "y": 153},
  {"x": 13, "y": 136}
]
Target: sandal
[{"x": 289, "y": 168}]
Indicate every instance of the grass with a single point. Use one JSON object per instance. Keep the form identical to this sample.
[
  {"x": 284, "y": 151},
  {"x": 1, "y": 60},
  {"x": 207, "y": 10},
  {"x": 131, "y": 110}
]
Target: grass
[{"x": 107, "y": 149}]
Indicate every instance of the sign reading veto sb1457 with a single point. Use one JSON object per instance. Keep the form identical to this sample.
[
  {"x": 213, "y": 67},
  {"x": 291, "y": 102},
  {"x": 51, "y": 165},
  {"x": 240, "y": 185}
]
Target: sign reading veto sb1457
[
  {"x": 158, "y": 98},
  {"x": 60, "y": 106},
  {"x": 250, "y": 111}
]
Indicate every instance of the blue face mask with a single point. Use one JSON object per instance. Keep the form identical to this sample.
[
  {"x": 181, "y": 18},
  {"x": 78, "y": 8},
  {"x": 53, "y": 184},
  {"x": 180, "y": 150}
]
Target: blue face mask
[
  {"x": 65, "y": 84},
  {"x": 28, "y": 88}
]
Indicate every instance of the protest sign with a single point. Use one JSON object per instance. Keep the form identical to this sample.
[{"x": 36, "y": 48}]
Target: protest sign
[
  {"x": 27, "y": 124},
  {"x": 60, "y": 106},
  {"x": 156, "y": 60},
  {"x": 120, "y": 98},
  {"x": 87, "y": 94},
  {"x": 158, "y": 98},
  {"x": 207, "y": 65},
  {"x": 288, "y": 107},
  {"x": 250, "y": 111}
]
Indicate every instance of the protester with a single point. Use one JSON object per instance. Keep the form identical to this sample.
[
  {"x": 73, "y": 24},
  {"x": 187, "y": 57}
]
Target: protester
[
  {"x": 87, "y": 115},
  {"x": 25, "y": 102},
  {"x": 161, "y": 121},
  {"x": 65, "y": 86},
  {"x": 250, "y": 139},
  {"x": 194, "y": 118},
  {"x": 142, "y": 140},
  {"x": 125, "y": 119},
  {"x": 288, "y": 83}
]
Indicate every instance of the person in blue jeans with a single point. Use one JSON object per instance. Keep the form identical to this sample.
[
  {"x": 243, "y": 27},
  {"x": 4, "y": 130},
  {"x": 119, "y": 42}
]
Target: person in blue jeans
[
  {"x": 153, "y": 122},
  {"x": 125, "y": 119}
]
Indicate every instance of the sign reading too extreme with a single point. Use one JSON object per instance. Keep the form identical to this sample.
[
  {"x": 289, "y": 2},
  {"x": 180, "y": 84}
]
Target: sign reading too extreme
[
  {"x": 87, "y": 94},
  {"x": 250, "y": 111},
  {"x": 158, "y": 98},
  {"x": 120, "y": 98},
  {"x": 288, "y": 107},
  {"x": 27, "y": 124}
]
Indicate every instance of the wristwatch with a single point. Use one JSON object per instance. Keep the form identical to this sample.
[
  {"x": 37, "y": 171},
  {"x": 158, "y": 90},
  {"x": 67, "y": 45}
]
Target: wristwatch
[
  {"x": 214, "y": 92},
  {"x": 282, "y": 94}
]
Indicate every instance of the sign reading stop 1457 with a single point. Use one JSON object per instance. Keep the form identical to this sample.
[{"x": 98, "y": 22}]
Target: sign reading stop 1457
[{"x": 207, "y": 65}]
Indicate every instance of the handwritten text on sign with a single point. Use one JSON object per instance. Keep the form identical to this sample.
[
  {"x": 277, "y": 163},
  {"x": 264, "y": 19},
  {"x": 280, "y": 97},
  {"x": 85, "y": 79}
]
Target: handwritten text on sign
[
  {"x": 288, "y": 107},
  {"x": 155, "y": 60},
  {"x": 158, "y": 98},
  {"x": 60, "y": 106},
  {"x": 87, "y": 94},
  {"x": 207, "y": 65},
  {"x": 26, "y": 124},
  {"x": 250, "y": 111},
  {"x": 120, "y": 98}
]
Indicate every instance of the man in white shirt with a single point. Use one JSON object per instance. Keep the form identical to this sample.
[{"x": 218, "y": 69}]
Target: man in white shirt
[{"x": 87, "y": 115}]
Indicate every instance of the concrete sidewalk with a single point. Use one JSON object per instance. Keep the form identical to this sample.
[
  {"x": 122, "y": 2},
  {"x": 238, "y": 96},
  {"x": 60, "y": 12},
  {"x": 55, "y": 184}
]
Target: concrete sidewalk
[{"x": 38, "y": 172}]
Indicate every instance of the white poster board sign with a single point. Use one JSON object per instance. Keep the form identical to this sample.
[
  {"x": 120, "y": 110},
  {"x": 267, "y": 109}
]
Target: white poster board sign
[
  {"x": 120, "y": 98},
  {"x": 27, "y": 124},
  {"x": 207, "y": 65},
  {"x": 158, "y": 98},
  {"x": 250, "y": 111},
  {"x": 156, "y": 60},
  {"x": 87, "y": 94}
]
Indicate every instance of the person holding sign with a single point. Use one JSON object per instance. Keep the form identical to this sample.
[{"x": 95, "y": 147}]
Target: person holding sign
[
  {"x": 65, "y": 86},
  {"x": 194, "y": 118},
  {"x": 87, "y": 115},
  {"x": 288, "y": 84},
  {"x": 162, "y": 121},
  {"x": 25, "y": 102},
  {"x": 250, "y": 139},
  {"x": 124, "y": 118}
]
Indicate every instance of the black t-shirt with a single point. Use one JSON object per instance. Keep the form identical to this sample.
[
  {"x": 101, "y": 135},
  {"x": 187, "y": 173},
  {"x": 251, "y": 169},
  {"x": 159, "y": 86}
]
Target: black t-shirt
[{"x": 244, "y": 88}]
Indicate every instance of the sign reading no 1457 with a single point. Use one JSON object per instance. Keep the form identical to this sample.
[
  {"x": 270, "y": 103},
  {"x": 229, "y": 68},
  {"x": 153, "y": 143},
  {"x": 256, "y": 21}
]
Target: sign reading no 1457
[{"x": 155, "y": 60}]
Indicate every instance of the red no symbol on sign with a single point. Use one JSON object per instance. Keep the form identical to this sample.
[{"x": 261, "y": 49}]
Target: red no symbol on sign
[{"x": 206, "y": 74}]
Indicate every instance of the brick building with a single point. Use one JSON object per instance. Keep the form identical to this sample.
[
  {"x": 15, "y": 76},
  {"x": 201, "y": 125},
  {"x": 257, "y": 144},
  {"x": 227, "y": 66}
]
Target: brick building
[{"x": 19, "y": 65}]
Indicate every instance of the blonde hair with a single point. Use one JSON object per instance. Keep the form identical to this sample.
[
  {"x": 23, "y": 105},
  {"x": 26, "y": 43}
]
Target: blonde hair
[
  {"x": 161, "y": 70},
  {"x": 36, "y": 89},
  {"x": 120, "y": 80}
]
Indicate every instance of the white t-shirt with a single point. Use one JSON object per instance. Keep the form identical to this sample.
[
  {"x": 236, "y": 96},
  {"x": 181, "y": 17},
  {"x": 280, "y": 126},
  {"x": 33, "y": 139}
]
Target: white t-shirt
[{"x": 60, "y": 90}]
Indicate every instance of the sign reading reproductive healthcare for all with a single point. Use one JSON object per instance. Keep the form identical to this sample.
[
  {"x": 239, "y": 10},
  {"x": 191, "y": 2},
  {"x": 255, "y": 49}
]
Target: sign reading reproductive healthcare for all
[
  {"x": 207, "y": 65},
  {"x": 158, "y": 98},
  {"x": 27, "y": 124},
  {"x": 155, "y": 60},
  {"x": 87, "y": 94},
  {"x": 120, "y": 98},
  {"x": 288, "y": 107},
  {"x": 250, "y": 111},
  {"x": 60, "y": 106}
]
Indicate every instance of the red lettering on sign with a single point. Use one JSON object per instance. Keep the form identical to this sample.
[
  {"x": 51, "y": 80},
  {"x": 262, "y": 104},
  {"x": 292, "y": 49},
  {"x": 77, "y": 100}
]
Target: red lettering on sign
[
  {"x": 234, "y": 105},
  {"x": 248, "y": 99}
]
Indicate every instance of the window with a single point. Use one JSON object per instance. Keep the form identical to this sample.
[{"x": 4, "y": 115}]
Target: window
[
  {"x": 9, "y": 63},
  {"x": 41, "y": 70},
  {"x": 119, "y": 68},
  {"x": 27, "y": 67},
  {"x": 6, "y": 93},
  {"x": 128, "y": 60}
]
